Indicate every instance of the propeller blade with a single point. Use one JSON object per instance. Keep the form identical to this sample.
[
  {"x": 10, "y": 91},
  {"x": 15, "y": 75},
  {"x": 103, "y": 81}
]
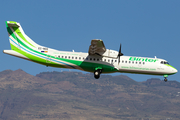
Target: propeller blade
[
  {"x": 119, "y": 54},
  {"x": 118, "y": 59}
]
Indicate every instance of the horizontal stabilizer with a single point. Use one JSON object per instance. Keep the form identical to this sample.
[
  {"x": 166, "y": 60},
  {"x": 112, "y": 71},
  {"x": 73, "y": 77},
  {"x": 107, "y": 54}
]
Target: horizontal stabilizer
[{"x": 14, "y": 53}]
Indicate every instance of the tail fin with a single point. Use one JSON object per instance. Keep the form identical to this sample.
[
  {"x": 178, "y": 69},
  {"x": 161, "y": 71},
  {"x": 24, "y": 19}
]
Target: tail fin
[{"x": 18, "y": 39}]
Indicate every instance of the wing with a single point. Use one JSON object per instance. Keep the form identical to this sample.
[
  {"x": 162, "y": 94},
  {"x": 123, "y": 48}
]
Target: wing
[{"x": 97, "y": 47}]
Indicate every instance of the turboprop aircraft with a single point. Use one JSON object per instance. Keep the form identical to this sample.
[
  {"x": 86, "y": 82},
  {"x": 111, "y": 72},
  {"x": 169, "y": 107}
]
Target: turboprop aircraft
[{"x": 98, "y": 59}]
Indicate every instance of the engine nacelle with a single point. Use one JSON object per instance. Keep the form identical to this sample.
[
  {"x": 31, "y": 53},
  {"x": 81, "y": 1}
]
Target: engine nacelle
[{"x": 110, "y": 53}]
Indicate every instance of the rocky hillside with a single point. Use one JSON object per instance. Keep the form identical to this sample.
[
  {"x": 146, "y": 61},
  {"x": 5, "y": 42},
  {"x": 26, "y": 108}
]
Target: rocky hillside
[{"x": 75, "y": 96}]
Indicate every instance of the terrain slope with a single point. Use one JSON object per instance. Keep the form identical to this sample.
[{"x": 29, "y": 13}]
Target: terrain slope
[{"x": 78, "y": 96}]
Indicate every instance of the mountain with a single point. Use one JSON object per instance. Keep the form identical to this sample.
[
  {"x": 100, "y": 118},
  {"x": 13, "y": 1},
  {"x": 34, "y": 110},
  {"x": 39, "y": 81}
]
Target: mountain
[{"x": 75, "y": 96}]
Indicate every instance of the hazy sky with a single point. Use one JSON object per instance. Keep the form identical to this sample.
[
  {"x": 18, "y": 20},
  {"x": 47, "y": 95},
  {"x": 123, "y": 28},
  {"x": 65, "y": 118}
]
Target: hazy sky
[{"x": 144, "y": 28}]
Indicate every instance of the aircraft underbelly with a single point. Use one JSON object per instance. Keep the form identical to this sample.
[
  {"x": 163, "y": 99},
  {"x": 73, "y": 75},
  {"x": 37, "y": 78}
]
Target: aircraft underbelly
[{"x": 145, "y": 71}]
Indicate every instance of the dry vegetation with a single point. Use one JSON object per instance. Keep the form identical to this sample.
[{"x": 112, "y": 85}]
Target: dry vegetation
[{"x": 77, "y": 96}]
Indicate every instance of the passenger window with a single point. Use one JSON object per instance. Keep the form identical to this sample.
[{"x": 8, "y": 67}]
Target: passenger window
[
  {"x": 90, "y": 58},
  {"x": 136, "y": 62},
  {"x": 108, "y": 60},
  {"x": 129, "y": 61},
  {"x": 58, "y": 56},
  {"x": 75, "y": 57},
  {"x": 83, "y": 58},
  {"x": 112, "y": 61},
  {"x": 72, "y": 57},
  {"x": 125, "y": 61},
  {"x": 132, "y": 62},
  {"x": 79, "y": 58},
  {"x": 87, "y": 58},
  {"x": 97, "y": 59},
  {"x": 143, "y": 63},
  {"x": 105, "y": 60},
  {"x": 139, "y": 62},
  {"x": 61, "y": 56},
  {"x": 69, "y": 57},
  {"x": 94, "y": 59},
  {"x": 115, "y": 61},
  {"x": 65, "y": 56}
]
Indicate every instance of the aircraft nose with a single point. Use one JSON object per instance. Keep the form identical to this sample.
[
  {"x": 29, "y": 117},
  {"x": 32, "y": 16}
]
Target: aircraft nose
[{"x": 174, "y": 70}]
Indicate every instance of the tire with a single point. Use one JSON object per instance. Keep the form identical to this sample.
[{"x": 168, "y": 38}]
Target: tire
[
  {"x": 97, "y": 74},
  {"x": 165, "y": 79}
]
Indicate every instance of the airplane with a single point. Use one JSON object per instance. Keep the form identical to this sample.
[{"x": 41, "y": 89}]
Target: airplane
[{"x": 98, "y": 60}]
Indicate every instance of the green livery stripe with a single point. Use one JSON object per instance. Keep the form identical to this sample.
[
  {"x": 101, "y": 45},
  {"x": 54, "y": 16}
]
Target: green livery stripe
[
  {"x": 18, "y": 32},
  {"x": 144, "y": 73},
  {"x": 14, "y": 47},
  {"x": 29, "y": 50},
  {"x": 24, "y": 45},
  {"x": 87, "y": 66},
  {"x": 38, "y": 59},
  {"x": 6, "y": 24},
  {"x": 11, "y": 33},
  {"x": 83, "y": 65},
  {"x": 12, "y": 22},
  {"x": 170, "y": 66}
]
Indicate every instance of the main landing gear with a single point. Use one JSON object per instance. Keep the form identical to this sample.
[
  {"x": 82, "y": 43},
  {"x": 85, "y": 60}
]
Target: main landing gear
[
  {"x": 97, "y": 73},
  {"x": 165, "y": 78}
]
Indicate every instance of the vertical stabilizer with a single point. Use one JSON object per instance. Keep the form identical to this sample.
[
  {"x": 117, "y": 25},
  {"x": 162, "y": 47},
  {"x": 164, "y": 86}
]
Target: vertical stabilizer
[{"x": 18, "y": 39}]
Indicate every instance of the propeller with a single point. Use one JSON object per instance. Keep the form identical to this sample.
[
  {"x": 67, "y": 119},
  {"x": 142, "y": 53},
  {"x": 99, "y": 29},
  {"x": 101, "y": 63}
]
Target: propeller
[{"x": 119, "y": 54}]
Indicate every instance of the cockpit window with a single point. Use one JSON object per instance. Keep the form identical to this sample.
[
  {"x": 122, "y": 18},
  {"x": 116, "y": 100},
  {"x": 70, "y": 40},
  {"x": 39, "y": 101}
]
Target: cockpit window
[{"x": 164, "y": 62}]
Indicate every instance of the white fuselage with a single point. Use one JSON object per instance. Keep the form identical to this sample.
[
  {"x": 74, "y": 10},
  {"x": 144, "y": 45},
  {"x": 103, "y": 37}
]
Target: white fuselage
[
  {"x": 98, "y": 59},
  {"x": 128, "y": 64}
]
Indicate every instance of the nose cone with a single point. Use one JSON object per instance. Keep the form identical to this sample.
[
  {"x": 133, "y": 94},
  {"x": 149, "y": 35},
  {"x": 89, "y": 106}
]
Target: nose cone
[
  {"x": 175, "y": 70},
  {"x": 171, "y": 69}
]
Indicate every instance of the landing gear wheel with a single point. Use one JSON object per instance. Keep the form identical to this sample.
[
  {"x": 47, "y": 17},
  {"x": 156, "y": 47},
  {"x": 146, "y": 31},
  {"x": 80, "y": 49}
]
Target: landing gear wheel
[
  {"x": 165, "y": 79},
  {"x": 96, "y": 74}
]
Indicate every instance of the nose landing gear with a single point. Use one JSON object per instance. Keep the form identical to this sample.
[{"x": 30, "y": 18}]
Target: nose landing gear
[{"x": 165, "y": 78}]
